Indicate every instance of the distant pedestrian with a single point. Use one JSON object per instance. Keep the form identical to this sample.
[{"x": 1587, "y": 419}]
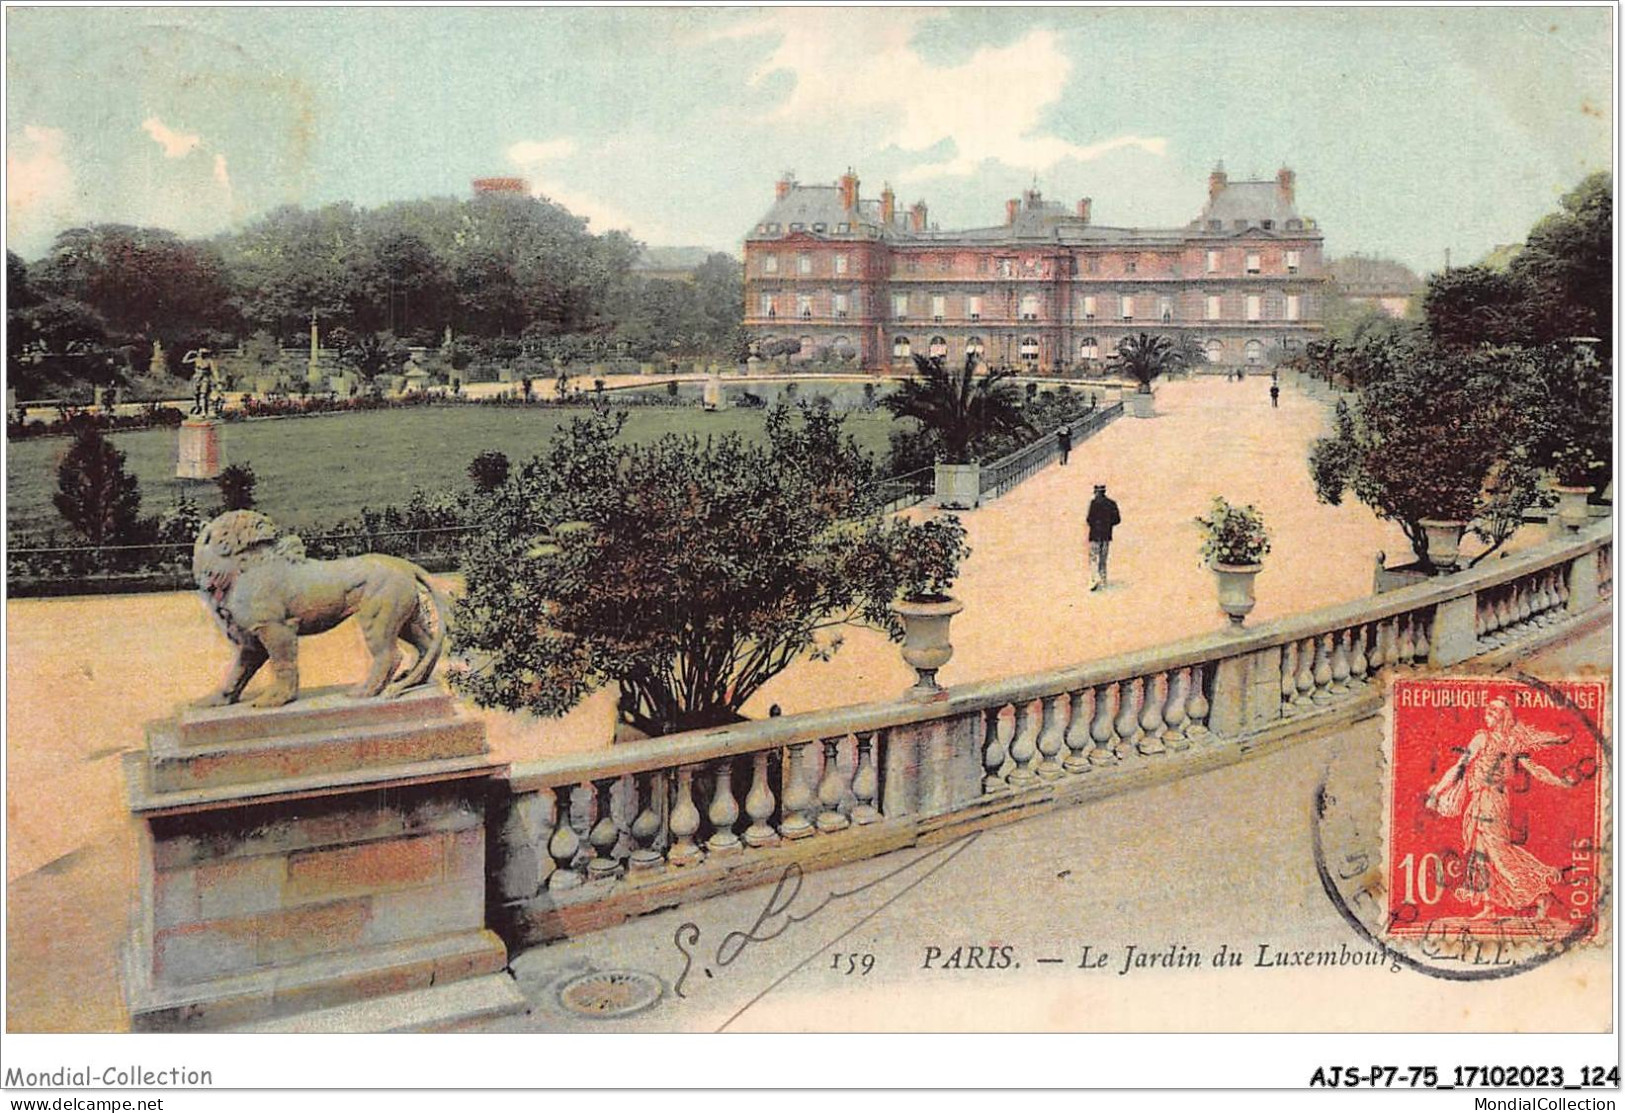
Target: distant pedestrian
[
  {"x": 1103, "y": 517},
  {"x": 1275, "y": 395},
  {"x": 1063, "y": 439}
]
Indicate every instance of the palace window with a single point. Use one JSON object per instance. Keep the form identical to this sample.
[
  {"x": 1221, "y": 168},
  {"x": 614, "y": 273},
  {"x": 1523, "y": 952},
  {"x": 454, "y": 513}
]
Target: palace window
[
  {"x": 899, "y": 306},
  {"x": 1029, "y": 307},
  {"x": 1214, "y": 260},
  {"x": 900, "y": 347},
  {"x": 1252, "y": 262},
  {"x": 1294, "y": 260},
  {"x": 818, "y": 227},
  {"x": 840, "y": 264},
  {"x": 1131, "y": 264},
  {"x": 1091, "y": 264},
  {"x": 1215, "y": 351},
  {"x": 1007, "y": 267},
  {"x": 1089, "y": 307},
  {"x": 939, "y": 347},
  {"x": 804, "y": 307},
  {"x": 841, "y": 303},
  {"x": 843, "y": 229},
  {"x": 803, "y": 263},
  {"x": 1088, "y": 348},
  {"x": 1294, "y": 307},
  {"x": 1266, "y": 224},
  {"x": 1029, "y": 349},
  {"x": 939, "y": 307},
  {"x": 1255, "y": 353},
  {"x": 1215, "y": 225},
  {"x": 770, "y": 264},
  {"x": 1215, "y": 307},
  {"x": 974, "y": 346},
  {"x": 798, "y": 227},
  {"x": 773, "y": 228},
  {"x": 769, "y": 306},
  {"x": 973, "y": 307},
  {"x": 1165, "y": 308},
  {"x": 1127, "y": 307},
  {"x": 1255, "y": 307}
]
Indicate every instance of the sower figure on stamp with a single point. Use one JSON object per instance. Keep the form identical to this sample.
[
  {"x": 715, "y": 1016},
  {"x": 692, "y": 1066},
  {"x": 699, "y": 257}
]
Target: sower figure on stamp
[
  {"x": 1500, "y": 872},
  {"x": 1103, "y": 517}
]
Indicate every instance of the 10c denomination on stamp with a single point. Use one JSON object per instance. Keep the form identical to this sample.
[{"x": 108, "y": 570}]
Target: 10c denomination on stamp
[{"x": 1496, "y": 809}]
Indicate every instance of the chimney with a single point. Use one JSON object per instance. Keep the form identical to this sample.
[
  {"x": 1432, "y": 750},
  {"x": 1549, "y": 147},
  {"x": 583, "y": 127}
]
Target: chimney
[
  {"x": 849, "y": 191},
  {"x": 1011, "y": 207},
  {"x": 1083, "y": 209},
  {"x": 1286, "y": 181},
  {"x": 1216, "y": 182},
  {"x": 785, "y": 184},
  {"x": 916, "y": 216},
  {"x": 888, "y": 204}
]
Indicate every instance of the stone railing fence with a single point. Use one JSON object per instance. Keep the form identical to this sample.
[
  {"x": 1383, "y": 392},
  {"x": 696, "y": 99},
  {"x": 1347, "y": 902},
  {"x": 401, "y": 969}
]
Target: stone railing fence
[{"x": 585, "y": 841}]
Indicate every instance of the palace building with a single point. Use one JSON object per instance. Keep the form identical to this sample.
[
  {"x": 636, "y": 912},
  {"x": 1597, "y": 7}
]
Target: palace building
[{"x": 1047, "y": 289}]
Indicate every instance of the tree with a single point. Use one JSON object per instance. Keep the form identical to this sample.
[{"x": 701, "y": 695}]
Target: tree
[
  {"x": 688, "y": 572},
  {"x": 1470, "y": 306},
  {"x": 371, "y": 354},
  {"x": 489, "y": 470},
  {"x": 96, "y": 493},
  {"x": 960, "y": 411},
  {"x": 1145, "y": 357},
  {"x": 1426, "y": 430},
  {"x": 1566, "y": 267}
]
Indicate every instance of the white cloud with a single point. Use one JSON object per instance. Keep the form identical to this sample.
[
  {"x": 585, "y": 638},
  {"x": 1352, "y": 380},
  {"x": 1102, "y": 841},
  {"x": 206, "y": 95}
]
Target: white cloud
[
  {"x": 533, "y": 157},
  {"x": 40, "y": 187},
  {"x": 989, "y": 107},
  {"x": 176, "y": 144}
]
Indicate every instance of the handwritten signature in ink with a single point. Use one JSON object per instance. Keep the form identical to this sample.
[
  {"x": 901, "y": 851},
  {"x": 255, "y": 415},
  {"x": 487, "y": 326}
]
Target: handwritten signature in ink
[{"x": 781, "y": 913}]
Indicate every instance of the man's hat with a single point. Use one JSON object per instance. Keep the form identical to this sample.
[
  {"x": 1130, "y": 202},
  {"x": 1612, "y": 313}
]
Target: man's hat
[{"x": 1100, "y": 488}]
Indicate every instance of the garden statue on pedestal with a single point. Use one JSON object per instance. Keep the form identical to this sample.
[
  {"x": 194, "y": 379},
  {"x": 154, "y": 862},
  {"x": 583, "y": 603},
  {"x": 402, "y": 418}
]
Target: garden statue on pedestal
[
  {"x": 266, "y": 594},
  {"x": 205, "y": 379}
]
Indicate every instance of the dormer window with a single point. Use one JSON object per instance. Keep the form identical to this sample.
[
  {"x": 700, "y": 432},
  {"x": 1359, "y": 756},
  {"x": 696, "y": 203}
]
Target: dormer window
[
  {"x": 1266, "y": 224},
  {"x": 1215, "y": 226},
  {"x": 843, "y": 229},
  {"x": 773, "y": 229},
  {"x": 818, "y": 227},
  {"x": 1294, "y": 225},
  {"x": 1238, "y": 225},
  {"x": 797, "y": 227},
  {"x": 761, "y": 229}
]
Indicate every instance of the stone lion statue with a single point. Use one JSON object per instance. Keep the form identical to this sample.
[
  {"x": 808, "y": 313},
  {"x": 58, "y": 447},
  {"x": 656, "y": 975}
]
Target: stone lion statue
[{"x": 266, "y": 593}]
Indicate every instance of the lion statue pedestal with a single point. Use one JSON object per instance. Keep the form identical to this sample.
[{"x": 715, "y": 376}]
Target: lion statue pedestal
[{"x": 319, "y": 851}]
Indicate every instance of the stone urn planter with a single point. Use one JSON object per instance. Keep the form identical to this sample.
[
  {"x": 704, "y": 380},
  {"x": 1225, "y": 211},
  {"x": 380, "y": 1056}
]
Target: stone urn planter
[
  {"x": 925, "y": 640},
  {"x": 1236, "y": 597},
  {"x": 1572, "y": 510},
  {"x": 1444, "y": 541},
  {"x": 957, "y": 486},
  {"x": 1142, "y": 403}
]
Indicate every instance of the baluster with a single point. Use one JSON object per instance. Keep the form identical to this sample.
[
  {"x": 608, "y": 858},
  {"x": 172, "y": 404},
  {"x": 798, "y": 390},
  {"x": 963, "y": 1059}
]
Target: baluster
[
  {"x": 1127, "y": 721},
  {"x": 1289, "y": 677},
  {"x": 865, "y": 782},
  {"x": 646, "y": 827},
  {"x": 1379, "y": 642},
  {"x": 1024, "y": 749},
  {"x": 1406, "y": 648},
  {"x": 796, "y": 796},
  {"x": 996, "y": 751},
  {"x": 1481, "y": 619},
  {"x": 1078, "y": 728},
  {"x": 1323, "y": 670},
  {"x": 1050, "y": 740},
  {"x": 604, "y": 835},
  {"x": 1150, "y": 718},
  {"x": 565, "y": 843},
  {"x": 1340, "y": 662},
  {"x": 1100, "y": 727},
  {"x": 831, "y": 791},
  {"x": 1503, "y": 615},
  {"x": 685, "y": 822},
  {"x": 1538, "y": 600},
  {"x": 1562, "y": 578},
  {"x": 1359, "y": 663},
  {"x": 1173, "y": 711},
  {"x": 1306, "y": 671},
  {"x": 759, "y": 804},
  {"x": 1419, "y": 648},
  {"x": 1196, "y": 707},
  {"x": 723, "y": 812}
]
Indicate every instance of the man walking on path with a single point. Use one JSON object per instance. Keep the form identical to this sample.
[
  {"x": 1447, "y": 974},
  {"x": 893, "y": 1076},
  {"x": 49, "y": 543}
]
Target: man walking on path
[
  {"x": 1103, "y": 516},
  {"x": 1275, "y": 395},
  {"x": 1063, "y": 438}
]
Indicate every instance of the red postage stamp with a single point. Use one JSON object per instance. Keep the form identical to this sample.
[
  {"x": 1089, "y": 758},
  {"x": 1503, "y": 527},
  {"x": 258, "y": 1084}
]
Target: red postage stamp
[{"x": 1495, "y": 817}]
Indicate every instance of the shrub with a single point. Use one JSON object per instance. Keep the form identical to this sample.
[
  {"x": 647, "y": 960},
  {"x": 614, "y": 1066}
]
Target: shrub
[
  {"x": 236, "y": 483},
  {"x": 96, "y": 493},
  {"x": 489, "y": 470}
]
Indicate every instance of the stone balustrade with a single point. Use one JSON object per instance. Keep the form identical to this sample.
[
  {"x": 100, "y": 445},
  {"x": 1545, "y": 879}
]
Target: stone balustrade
[{"x": 588, "y": 840}]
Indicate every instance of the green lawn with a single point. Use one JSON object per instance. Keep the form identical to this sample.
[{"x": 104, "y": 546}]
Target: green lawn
[{"x": 317, "y": 470}]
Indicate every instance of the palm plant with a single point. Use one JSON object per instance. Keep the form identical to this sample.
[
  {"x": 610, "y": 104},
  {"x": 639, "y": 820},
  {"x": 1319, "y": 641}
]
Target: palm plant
[
  {"x": 1145, "y": 357},
  {"x": 1188, "y": 353},
  {"x": 958, "y": 408}
]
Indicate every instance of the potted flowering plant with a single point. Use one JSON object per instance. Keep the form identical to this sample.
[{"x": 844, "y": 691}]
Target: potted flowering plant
[
  {"x": 1233, "y": 545},
  {"x": 927, "y": 562},
  {"x": 1572, "y": 467}
]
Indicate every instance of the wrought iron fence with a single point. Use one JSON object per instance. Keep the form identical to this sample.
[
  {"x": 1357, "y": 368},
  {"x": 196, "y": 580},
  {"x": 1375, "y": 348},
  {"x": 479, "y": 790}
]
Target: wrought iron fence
[{"x": 1009, "y": 471}]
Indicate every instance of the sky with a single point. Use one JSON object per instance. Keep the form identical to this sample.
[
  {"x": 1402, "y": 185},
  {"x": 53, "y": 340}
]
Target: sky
[{"x": 1412, "y": 131}]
